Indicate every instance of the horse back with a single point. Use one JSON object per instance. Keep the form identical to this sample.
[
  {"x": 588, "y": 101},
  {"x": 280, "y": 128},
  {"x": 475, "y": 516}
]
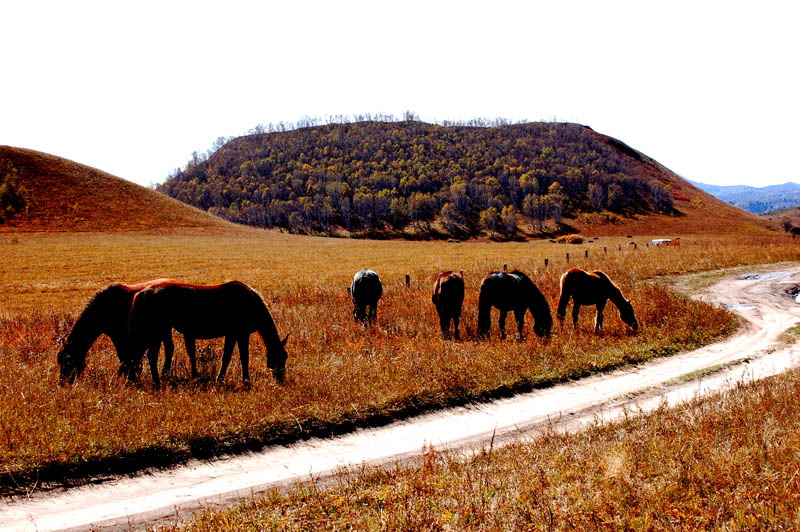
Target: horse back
[{"x": 448, "y": 290}]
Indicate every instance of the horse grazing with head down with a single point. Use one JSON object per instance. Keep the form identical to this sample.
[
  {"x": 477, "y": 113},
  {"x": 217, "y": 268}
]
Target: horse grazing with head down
[
  {"x": 593, "y": 288},
  {"x": 512, "y": 291},
  {"x": 448, "y": 296},
  {"x": 106, "y": 313},
  {"x": 233, "y": 310},
  {"x": 365, "y": 290}
]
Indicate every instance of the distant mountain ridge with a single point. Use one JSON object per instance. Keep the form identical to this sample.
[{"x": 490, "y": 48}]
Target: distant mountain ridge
[{"x": 757, "y": 200}]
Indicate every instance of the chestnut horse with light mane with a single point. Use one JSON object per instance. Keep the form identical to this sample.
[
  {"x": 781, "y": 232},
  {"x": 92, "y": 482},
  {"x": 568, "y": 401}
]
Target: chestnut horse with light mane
[
  {"x": 592, "y": 288},
  {"x": 448, "y": 296},
  {"x": 232, "y": 309}
]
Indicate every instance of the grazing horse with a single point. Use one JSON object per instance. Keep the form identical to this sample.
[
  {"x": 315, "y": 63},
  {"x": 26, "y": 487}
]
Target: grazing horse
[
  {"x": 365, "y": 291},
  {"x": 593, "y": 288},
  {"x": 512, "y": 291},
  {"x": 106, "y": 313},
  {"x": 233, "y": 310},
  {"x": 448, "y": 295}
]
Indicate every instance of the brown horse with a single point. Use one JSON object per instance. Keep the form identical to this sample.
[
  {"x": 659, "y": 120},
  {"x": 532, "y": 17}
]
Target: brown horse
[
  {"x": 593, "y": 288},
  {"x": 233, "y": 310},
  {"x": 448, "y": 296},
  {"x": 106, "y": 313},
  {"x": 512, "y": 291}
]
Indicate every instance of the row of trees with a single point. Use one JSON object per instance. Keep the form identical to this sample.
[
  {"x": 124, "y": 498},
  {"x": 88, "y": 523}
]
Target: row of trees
[{"x": 376, "y": 176}]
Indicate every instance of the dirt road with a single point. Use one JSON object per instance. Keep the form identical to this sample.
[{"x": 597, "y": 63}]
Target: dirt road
[{"x": 762, "y": 297}]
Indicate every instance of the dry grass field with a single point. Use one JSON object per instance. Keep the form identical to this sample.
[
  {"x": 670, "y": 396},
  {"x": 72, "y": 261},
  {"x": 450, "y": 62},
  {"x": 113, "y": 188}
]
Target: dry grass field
[
  {"x": 339, "y": 374},
  {"x": 729, "y": 462}
]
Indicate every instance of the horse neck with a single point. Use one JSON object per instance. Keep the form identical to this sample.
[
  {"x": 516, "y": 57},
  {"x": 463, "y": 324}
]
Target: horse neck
[
  {"x": 615, "y": 294},
  {"x": 266, "y": 327},
  {"x": 87, "y": 329},
  {"x": 537, "y": 303}
]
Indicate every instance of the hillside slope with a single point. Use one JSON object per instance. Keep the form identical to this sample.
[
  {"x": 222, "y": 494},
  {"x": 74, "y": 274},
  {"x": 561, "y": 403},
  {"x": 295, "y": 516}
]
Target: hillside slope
[
  {"x": 42, "y": 192},
  {"x": 412, "y": 178}
]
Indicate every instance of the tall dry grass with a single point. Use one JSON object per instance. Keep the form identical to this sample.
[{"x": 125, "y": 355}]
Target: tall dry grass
[{"x": 340, "y": 374}]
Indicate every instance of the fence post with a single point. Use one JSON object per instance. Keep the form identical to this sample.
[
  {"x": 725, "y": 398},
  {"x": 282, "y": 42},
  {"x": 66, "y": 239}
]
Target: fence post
[
  {"x": 408, "y": 281},
  {"x": 586, "y": 253},
  {"x": 605, "y": 250},
  {"x": 567, "y": 256},
  {"x": 545, "y": 262},
  {"x": 505, "y": 267}
]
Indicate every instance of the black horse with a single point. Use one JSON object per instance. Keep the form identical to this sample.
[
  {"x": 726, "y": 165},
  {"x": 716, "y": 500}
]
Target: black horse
[
  {"x": 448, "y": 296},
  {"x": 365, "y": 290},
  {"x": 106, "y": 313},
  {"x": 512, "y": 291}
]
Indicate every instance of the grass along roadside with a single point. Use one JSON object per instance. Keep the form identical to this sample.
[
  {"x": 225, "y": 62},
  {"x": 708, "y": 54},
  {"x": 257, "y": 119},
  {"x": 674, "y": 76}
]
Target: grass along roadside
[
  {"x": 725, "y": 462},
  {"x": 340, "y": 374}
]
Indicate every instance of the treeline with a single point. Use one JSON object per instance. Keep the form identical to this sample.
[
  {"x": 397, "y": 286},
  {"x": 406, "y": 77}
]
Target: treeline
[{"x": 384, "y": 176}]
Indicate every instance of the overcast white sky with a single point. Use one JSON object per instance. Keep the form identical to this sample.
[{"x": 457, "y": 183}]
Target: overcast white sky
[{"x": 709, "y": 89}]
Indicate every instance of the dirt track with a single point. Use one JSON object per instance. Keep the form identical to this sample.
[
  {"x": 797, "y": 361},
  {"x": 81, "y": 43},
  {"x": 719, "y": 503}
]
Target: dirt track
[{"x": 762, "y": 299}]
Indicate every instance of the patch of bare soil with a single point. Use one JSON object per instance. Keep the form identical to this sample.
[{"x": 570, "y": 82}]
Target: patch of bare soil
[{"x": 764, "y": 300}]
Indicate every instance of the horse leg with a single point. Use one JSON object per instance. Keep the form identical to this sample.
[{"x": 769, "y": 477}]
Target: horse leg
[
  {"x": 169, "y": 348},
  {"x": 456, "y": 317},
  {"x": 598, "y": 320},
  {"x": 244, "y": 357},
  {"x": 576, "y": 308},
  {"x": 502, "y": 323},
  {"x": 519, "y": 314},
  {"x": 152, "y": 357},
  {"x": 230, "y": 342},
  {"x": 444, "y": 323},
  {"x": 373, "y": 312},
  {"x": 191, "y": 351}
]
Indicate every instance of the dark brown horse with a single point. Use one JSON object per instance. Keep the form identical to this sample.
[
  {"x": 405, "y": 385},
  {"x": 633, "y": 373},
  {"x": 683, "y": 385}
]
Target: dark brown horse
[
  {"x": 593, "y": 288},
  {"x": 233, "y": 310},
  {"x": 512, "y": 291},
  {"x": 365, "y": 290},
  {"x": 448, "y": 296},
  {"x": 106, "y": 313}
]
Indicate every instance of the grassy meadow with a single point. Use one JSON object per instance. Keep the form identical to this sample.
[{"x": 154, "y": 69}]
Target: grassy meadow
[{"x": 339, "y": 374}]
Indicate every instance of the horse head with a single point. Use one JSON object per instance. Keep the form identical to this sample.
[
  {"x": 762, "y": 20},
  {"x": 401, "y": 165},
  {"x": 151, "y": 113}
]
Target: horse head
[
  {"x": 71, "y": 363},
  {"x": 542, "y": 323},
  {"x": 627, "y": 315},
  {"x": 276, "y": 359}
]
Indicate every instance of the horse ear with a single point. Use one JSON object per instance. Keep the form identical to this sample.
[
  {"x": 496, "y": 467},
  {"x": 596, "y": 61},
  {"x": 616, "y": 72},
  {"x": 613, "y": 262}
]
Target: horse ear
[{"x": 286, "y": 339}]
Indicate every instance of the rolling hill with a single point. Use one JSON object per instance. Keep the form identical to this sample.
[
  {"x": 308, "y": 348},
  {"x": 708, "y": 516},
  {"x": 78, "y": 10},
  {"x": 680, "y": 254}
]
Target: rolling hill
[
  {"x": 412, "y": 179},
  {"x": 757, "y": 200},
  {"x": 42, "y": 192}
]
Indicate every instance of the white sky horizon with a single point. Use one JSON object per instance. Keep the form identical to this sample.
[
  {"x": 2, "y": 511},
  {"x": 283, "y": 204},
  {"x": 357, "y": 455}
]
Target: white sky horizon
[{"x": 710, "y": 90}]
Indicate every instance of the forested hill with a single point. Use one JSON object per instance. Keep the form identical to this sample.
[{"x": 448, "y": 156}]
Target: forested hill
[{"x": 387, "y": 177}]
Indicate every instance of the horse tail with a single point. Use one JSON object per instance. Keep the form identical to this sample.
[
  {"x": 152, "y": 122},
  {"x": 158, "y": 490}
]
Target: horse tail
[{"x": 563, "y": 298}]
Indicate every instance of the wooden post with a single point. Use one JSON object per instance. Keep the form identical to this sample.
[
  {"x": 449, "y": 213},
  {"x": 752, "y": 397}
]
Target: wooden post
[
  {"x": 586, "y": 253},
  {"x": 408, "y": 281},
  {"x": 605, "y": 250},
  {"x": 505, "y": 267},
  {"x": 567, "y": 256},
  {"x": 635, "y": 245},
  {"x": 619, "y": 246},
  {"x": 545, "y": 262}
]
